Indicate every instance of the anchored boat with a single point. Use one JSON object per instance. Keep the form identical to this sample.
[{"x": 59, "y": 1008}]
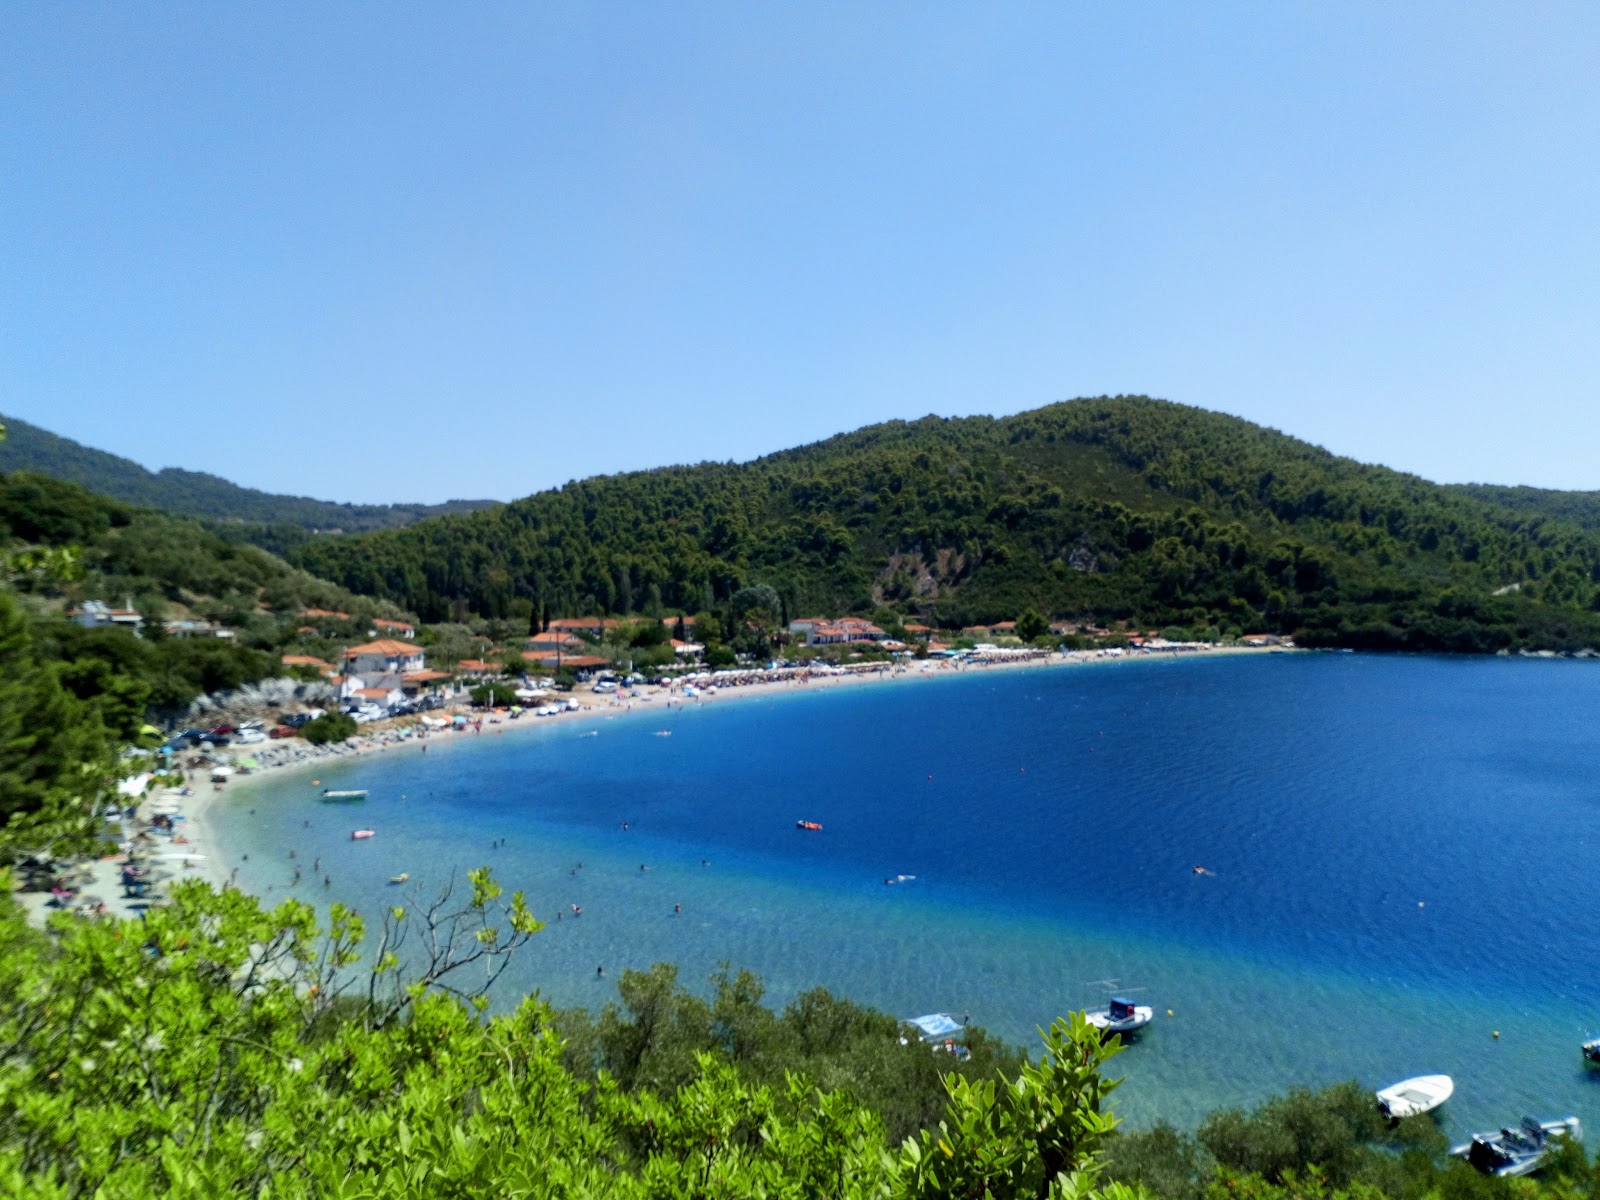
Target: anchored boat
[
  {"x": 344, "y": 794},
  {"x": 1519, "y": 1151},
  {"x": 1121, "y": 1016},
  {"x": 1412, "y": 1097}
]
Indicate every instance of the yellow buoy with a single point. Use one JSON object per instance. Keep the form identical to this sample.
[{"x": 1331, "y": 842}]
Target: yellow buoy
[
  {"x": 1420, "y": 904},
  {"x": 1496, "y": 1033},
  {"x": 1169, "y": 1012}
]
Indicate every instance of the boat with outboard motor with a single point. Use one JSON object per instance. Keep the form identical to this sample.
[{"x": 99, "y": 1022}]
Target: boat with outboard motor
[
  {"x": 1519, "y": 1151},
  {"x": 1591, "y": 1052},
  {"x": 1412, "y": 1097},
  {"x": 1122, "y": 1016},
  {"x": 344, "y": 794}
]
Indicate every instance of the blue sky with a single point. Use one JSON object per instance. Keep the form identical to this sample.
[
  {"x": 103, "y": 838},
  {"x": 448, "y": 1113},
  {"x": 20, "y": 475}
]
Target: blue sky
[{"x": 396, "y": 252}]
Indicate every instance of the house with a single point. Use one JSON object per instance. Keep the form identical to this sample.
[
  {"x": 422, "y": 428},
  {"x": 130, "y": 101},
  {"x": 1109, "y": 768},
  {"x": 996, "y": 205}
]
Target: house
[
  {"x": 582, "y": 664},
  {"x": 324, "y": 614},
  {"x": 308, "y": 660},
  {"x": 554, "y": 639},
  {"x": 416, "y": 683},
  {"x": 1261, "y": 639},
  {"x": 476, "y": 668},
  {"x": 386, "y": 692},
  {"x": 819, "y": 631},
  {"x": 686, "y": 649},
  {"x": 922, "y": 632},
  {"x": 392, "y": 628},
  {"x": 383, "y": 657},
  {"x": 192, "y": 629},
  {"x": 94, "y": 614},
  {"x": 593, "y": 626}
]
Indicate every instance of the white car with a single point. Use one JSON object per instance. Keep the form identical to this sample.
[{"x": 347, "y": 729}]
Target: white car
[
  {"x": 606, "y": 685},
  {"x": 249, "y": 737}
]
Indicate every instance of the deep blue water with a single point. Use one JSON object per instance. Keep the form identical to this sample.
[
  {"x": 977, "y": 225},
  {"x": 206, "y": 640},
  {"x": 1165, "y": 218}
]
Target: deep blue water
[{"x": 1400, "y": 851}]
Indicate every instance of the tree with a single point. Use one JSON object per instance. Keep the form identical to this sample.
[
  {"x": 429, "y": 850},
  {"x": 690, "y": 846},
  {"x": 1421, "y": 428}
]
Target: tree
[
  {"x": 56, "y": 762},
  {"x": 1031, "y": 625},
  {"x": 494, "y": 695},
  {"x": 329, "y": 727}
]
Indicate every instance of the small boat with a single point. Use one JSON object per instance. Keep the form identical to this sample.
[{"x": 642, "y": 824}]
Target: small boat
[
  {"x": 344, "y": 793},
  {"x": 813, "y": 826},
  {"x": 400, "y": 878},
  {"x": 1518, "y": 1151},
  {"x": 1121, "y": 1016},
  {"x": 1412, "y": 1097},
  {"x": 1591, "y": 1051},
  {"x": 357, "y": 834}
]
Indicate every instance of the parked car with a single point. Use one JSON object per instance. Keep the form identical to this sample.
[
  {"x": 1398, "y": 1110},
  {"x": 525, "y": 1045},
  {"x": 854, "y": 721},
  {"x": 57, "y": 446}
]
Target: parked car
[
  {"x": 283, "y": 731},
  {"x": 223, "y": 729},
  {"x": 250, "y": 737}
]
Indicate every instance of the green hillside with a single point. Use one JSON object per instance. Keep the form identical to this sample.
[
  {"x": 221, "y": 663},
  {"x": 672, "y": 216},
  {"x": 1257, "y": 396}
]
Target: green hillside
[
  {"x": 1575, "y": 508},
  {"x": 196, "y": 494},
  {"x": 1110, "y": 508}
]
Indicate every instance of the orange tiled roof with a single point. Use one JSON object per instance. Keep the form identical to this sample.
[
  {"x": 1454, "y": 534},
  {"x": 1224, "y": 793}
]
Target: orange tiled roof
[
  {"x": 383, "y": 646},
  {"x": 324, "y": 612}
]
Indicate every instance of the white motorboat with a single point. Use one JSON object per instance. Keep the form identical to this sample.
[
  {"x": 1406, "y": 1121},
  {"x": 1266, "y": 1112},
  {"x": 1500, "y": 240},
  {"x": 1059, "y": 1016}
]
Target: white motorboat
[
  {"x": 1122, "y": 1016},
  {"x": 1519, "y": 1151},
  {"x": 1411, "y": 1097},
  {"x": 344, "y": 793}
]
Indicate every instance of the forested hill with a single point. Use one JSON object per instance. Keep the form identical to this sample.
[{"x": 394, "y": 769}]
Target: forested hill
[
  {"x": 194, "y": 493},
  {"x": 1577, "y": 508},
  {"x": 1109, "y": 508}
]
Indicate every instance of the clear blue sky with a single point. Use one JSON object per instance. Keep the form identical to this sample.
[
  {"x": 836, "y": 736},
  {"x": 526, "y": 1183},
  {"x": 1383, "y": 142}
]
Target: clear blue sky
[{"x": 394, "y": 252}]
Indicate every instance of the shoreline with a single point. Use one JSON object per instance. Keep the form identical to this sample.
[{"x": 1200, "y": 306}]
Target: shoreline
[{"x": 208, "y": 841}]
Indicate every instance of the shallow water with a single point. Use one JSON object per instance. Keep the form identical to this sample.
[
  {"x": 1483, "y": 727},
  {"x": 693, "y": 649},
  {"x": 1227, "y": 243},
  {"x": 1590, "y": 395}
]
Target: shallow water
[{"x": 1400, "y": 846}]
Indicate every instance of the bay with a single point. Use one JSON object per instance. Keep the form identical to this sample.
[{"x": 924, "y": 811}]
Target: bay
[{"x": 1399, "y": 852}]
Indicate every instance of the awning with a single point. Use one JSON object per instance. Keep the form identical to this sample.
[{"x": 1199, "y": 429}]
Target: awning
[{"x": 937, "y": 1025}]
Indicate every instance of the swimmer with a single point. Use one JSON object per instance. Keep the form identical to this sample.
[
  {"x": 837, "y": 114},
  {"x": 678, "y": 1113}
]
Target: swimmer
[
  {"x": 599, "y": 971},
  {"x": 1203, "y": 871},
  {"x": 677, "y": 908}
]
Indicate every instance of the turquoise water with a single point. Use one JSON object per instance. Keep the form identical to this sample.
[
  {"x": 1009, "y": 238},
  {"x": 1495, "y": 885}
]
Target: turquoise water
[{"x": 1401, "y": 856}]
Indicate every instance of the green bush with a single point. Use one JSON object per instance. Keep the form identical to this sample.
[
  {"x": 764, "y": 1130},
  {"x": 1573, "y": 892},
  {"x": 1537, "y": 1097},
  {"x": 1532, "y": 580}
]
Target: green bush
[
  {"x": 489, "y": 695},
  {"x": 329, "y": 727}
]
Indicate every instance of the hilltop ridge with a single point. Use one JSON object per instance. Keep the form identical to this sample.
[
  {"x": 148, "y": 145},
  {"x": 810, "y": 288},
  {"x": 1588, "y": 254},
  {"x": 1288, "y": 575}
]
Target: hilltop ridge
[
  {"x": 1121, "y": 507},
  {"x": 197, "y": 493}
]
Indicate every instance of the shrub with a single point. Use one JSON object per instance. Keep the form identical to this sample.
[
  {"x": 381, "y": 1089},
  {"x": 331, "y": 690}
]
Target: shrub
[{"x": 329, "y": 727}]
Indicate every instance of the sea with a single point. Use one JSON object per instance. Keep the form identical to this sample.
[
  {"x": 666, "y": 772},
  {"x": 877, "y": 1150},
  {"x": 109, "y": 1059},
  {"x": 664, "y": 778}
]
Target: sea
[{"x": 1398, "y": 860}]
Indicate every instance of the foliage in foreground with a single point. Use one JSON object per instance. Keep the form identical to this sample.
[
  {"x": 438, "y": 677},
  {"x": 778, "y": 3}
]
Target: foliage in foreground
[{"x": 216, "y": 1049}]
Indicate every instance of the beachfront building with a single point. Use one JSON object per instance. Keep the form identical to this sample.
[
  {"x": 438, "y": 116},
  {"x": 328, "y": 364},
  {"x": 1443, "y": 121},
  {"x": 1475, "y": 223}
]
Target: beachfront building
[
  {"x": 416, "y": 684},
  {"x": 823, "y": 631},
  {"x": 383, "y": 657},
  {"x": 96, "y": 614},
  {"x": 1261, "y": 639}
]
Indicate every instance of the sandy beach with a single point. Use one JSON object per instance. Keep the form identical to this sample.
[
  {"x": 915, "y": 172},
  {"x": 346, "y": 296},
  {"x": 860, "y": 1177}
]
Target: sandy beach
[{"x": 197, "y": 845}]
